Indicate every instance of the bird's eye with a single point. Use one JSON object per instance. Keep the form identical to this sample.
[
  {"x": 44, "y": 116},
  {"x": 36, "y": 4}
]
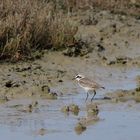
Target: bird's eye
[{"x": 78, "y": 76}]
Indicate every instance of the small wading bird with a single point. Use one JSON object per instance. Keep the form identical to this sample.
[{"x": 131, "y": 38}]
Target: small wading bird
[{"x": 88, "y": 85}]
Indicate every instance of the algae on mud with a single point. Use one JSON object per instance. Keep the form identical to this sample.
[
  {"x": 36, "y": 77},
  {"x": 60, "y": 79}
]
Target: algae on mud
[{"x": 71, "y": 108}]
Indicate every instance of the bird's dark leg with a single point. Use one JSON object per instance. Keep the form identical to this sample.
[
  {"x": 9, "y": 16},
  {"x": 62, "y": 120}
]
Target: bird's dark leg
[
  {"x": 93, "y": 95},
  {"x": 87, "y": 96}
]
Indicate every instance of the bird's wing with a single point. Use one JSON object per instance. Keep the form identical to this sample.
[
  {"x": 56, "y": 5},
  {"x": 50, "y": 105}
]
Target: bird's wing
[{"x": 87, "y": 82}]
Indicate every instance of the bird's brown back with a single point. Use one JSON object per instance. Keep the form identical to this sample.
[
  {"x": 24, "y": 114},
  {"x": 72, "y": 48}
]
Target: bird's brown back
[{"x": 85, "y": 82}]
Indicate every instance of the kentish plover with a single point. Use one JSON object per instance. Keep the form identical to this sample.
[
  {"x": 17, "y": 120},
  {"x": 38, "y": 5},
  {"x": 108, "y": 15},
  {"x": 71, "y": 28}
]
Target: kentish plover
[{"x": 88, "y": 85}]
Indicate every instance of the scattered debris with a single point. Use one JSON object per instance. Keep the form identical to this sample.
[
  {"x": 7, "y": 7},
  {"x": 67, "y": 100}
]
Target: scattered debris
[
  {"x": 71, "y": 108},
  {"x": 79, "y": 128}
]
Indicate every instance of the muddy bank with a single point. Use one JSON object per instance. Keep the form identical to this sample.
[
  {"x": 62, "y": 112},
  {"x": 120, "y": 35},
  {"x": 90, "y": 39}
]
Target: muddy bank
[
  {"x": 114, "y": 38},
  {"x": 50, "y": 75}
]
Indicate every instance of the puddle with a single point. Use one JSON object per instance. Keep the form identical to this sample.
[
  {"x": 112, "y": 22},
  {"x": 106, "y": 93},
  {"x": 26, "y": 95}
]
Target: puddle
[{"x": 120, "y": 123}]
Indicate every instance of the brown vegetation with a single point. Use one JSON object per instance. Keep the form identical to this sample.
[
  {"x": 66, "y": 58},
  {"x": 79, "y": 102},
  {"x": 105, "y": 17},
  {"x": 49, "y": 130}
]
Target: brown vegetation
[{"x": 30, "y": 25}]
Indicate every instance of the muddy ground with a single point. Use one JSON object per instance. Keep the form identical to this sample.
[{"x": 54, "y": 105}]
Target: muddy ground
[{"x": 36, "y": 89}]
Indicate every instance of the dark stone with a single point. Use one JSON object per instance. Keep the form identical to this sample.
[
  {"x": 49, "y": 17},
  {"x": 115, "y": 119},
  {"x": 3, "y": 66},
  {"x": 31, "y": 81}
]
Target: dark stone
[{"x": 60, "y": 81}]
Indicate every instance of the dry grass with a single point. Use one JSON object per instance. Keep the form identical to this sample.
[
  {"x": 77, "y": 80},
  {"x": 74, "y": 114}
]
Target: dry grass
[{"x": 27, "y": 25}]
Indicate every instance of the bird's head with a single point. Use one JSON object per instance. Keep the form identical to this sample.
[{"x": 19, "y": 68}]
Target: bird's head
[{"x": 79, "y": 76}]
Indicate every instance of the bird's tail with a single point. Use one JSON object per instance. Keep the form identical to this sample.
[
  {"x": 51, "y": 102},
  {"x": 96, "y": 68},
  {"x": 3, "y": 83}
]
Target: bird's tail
[{"x": 103, "y": 87}]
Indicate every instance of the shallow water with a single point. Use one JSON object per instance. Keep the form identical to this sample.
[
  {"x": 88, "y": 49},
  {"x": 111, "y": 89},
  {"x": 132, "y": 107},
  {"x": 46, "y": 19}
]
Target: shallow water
[
  {"x": 117, "y": 121},
  {"x": 115, "y": 124}
]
